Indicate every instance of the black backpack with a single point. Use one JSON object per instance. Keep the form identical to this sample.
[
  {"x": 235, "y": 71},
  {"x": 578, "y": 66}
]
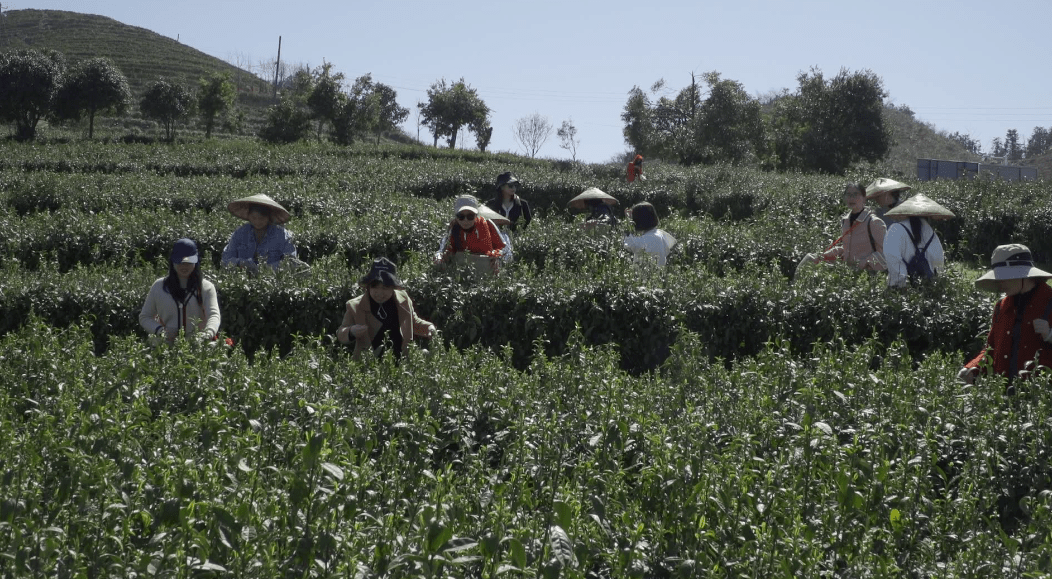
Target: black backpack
[{"x": 918, "y": 267}]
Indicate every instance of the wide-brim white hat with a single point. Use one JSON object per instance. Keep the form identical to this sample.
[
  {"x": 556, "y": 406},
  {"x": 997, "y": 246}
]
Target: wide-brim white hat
[
  {"x": 240, "y": 208},
  {"x": 1013, "y": 261}
]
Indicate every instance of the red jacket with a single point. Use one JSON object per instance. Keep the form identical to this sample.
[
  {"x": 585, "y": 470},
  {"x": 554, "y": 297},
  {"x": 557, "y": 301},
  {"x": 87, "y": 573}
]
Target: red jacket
[
  {"x": 481, "y": 239},
  {"x": 635, "y": 168},
  {"x": 1003, "y": 333}
]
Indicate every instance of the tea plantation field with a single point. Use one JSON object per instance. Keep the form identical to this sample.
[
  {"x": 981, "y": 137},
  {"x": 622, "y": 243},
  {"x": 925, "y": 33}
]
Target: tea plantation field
[{"x": 575, "y": 417}]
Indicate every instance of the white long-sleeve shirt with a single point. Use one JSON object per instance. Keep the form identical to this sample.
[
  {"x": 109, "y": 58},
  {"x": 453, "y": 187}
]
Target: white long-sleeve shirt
[
  {"x": 654, "y": 245},
  {"x": 898, "y": 249},
  {"x": 161, "y": 310}
]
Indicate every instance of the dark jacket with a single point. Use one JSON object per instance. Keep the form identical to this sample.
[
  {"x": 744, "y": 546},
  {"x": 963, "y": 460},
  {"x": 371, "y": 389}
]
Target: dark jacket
[{"x": 519, "y": 209}]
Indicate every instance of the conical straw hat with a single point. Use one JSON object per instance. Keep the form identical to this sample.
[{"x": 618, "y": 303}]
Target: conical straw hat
[
  {"x": 884, "y": 185},
  {"x": 240, "y": 207},
  {"x": 497, "y": 219},
  {"x": 920, "y": 205},
  {"x": 591, "y": 193}
]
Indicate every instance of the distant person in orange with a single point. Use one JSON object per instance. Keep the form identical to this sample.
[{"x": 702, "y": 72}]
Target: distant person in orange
[{"x": 635, "y": 169}]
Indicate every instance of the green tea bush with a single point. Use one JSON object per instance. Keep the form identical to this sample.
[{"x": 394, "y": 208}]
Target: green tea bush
[
  {"x": 605, "y": 297},
  {"x": 156, "y": 460}
]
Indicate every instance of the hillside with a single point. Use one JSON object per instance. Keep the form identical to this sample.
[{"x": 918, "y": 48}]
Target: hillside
[
  {"x": 1043, "y": 164},
  {"x": 914, "y": 140},
  {"x": 141, "y": 55}
]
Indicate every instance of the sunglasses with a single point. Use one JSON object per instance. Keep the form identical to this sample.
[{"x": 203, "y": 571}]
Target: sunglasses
[
  {"x": 510, "y": 185},
  {"x": 466, "y": 216}
]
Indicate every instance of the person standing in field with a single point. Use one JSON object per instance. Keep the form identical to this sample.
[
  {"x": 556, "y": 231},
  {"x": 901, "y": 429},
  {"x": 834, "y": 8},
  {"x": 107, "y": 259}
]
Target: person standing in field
[
  {"x": 912, "y": 249},
  {"x": 1019, "y": 332},
  {"x": 635, "y": 169},
  {"x": 649, "y": 244},
  {"x": 509, "y": 204},
  {"x": 183, "y": 301},
  {"x": 383, "y": 315},
  {"x": 861, "y": 243},
  {"x": 262, "y": 240},
  {"x": 887, "y": 193}
]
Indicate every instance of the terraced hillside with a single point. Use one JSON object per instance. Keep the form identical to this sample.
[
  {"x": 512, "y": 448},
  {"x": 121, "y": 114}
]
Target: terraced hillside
[{"x": 141, "y": 55}]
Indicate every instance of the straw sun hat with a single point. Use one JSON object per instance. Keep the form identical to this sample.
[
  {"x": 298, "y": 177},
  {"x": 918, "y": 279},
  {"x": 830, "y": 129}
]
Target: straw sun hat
[
  {"x": 883, "y": 185},
  {"x": 240, "y": 208},
  {"x": 497, "y": 219},
  {"x": 919, "y": 206},
  {"x": 588, "y": 194},
  {"x": 1013, "y": 261}
]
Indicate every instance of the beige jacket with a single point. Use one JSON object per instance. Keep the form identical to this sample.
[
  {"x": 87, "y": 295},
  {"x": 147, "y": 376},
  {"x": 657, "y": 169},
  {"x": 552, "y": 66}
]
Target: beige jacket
[
  {"x": 358, "y": 312},
  {"x": 863, "y": 243}
]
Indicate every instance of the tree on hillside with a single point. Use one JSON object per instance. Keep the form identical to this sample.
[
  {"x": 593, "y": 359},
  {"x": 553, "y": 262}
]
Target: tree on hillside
[
  {"x": 92, "y": 86},
  {"x": 965, "y": 140},
  {"x": 726, "y": 126},
  {"x": 997, "y": 149},
  {"x": 215, "y": 97},
  {"x": 532, "y": 132},
  {"x": 829, "y": 125},
  {"x": 568, "y": 140},
  {"x": 29, "y": 82},
  {"x": 326, "y": 99},
  {"x": 285, "y": 122},
  {"x": 639, "y": 127},
  {"x": 372, "y": 108},
  {"x": 1039, "y": 143},
  {"x": 357, "y": 112},
  {"x": 390, "y": 114},
  {"x": 452, "y": 106},
  {"x": 1013, "y": 148},
  {"x": 483, "y": 134},
  {"x": 729, "y": 126},
  {"x": 167, "y": 102},
  {"x": 290, "y": 120}
]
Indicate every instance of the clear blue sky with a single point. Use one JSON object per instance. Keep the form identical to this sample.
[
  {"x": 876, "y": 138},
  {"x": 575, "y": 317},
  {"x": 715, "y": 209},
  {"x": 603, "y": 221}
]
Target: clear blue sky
[{"x": 974, "y": 67}]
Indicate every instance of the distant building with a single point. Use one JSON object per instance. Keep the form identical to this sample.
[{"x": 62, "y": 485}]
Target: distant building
[{"x": 931, "y": 169}]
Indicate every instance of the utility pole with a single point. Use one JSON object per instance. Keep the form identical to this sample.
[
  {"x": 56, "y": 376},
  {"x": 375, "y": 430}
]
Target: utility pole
[{"x": 277, "y": 67}]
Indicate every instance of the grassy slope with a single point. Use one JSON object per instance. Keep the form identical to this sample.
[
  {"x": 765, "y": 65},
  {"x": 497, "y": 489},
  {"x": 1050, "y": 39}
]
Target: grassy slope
[
  {"x": 914, "y": 140},
  {"x": 1043, "y": 164},
  {"x": 141, "y": 55}
]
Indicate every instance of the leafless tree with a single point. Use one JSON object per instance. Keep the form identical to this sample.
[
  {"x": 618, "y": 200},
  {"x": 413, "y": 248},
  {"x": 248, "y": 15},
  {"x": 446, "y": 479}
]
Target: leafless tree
[
  {"x": 532, "y": 132},
  {"x": 285, "y": 70},
  {"x": 243, "y": 63},
  {"x": 568, "y": 138}
]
